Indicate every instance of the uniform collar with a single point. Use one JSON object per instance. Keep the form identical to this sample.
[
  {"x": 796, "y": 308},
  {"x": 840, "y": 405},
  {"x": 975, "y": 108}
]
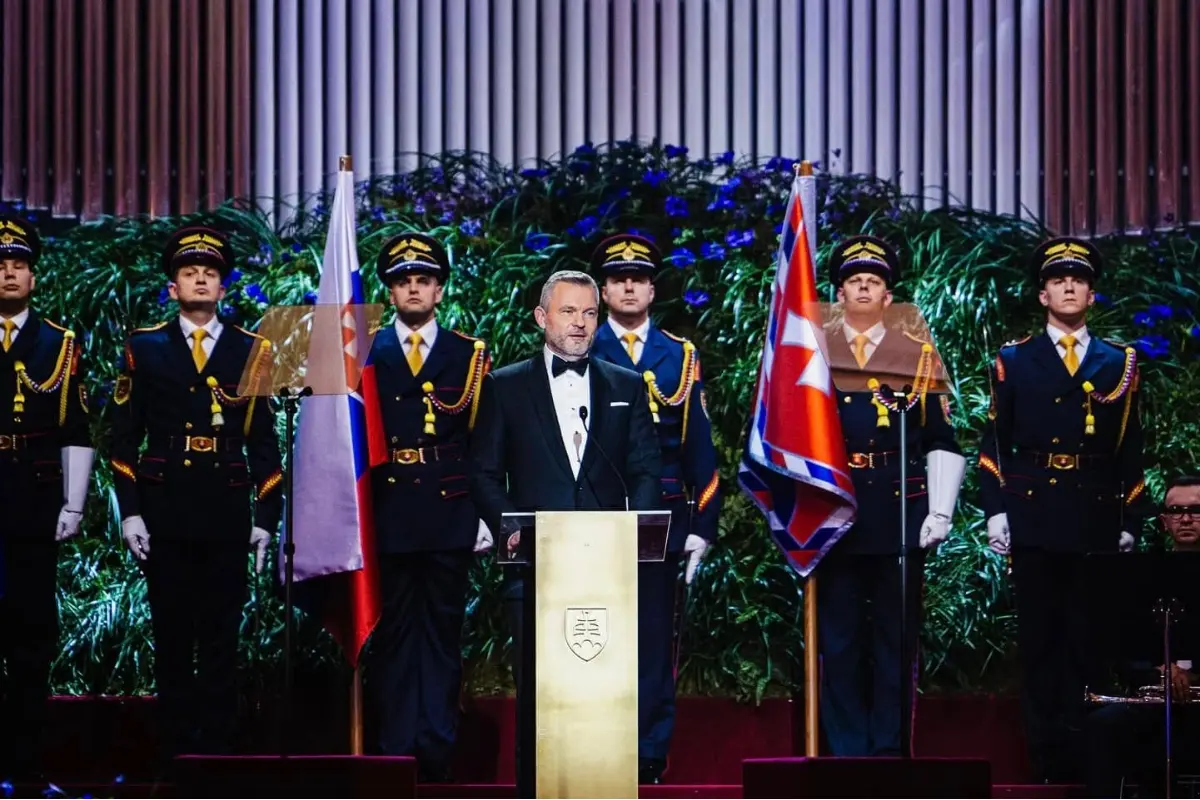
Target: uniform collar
[
  {"x": 1082, "y": 337},
  {"x": 213, "y": 327},
  {"x": 428, "y": 332},
  {"x": 641, "y": 331},
  {"x": 874, "y": 333},
  {"x": 20, "y": 319}
]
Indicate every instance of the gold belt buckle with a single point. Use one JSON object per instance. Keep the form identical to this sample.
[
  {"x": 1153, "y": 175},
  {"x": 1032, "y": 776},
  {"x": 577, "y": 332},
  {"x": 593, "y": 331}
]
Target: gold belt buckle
[
  {"x": 1063, "y": 461},
  {"x": 860, "y": 460},
  {"x": 407, "y": 456},
  {"x": 199, "y": 444}
]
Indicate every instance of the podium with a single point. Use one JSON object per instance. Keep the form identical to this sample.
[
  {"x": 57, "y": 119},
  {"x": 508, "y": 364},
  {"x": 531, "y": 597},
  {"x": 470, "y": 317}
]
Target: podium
[{"x": 578, "y": 698}]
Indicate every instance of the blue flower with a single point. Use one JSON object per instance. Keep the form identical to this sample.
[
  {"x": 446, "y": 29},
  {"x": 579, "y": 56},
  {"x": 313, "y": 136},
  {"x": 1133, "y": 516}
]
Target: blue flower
[
  {"x": 255, "y": 293},
  {"x": 377, "y": 213},
  {"x": 446, "y": 217},
  {"x": 710, "y": 250},
  {"x": 722, "y": 203},
  {"x": 7, "y": 788},
  {"x": 676, "y": 206},
  {"x": 537, "y": 241},
  {"x": 777, "y": 164},
  {"x": 534, "y": 173},
  {"x": 695, "y": 298},
  {"x": 585, "y": 149},
  {"x": 725, "y": 158},
  {"x": 163, "y": 296},
  {"x": 674, "y": 151},
  {"x": 297, "y": 247},
  {"x": 1102, "y": 299},
  {"x": 736, "y": 238},
  {"x": 642, "y": 233},
  {"x": 653, "y": 177},
  {"x": 470, "y": 227},
  {"x": 1154, "y": 346},
  {"x": 235, "y": 275},
  {"x": 1195, "y": 332},
  {"x": 681, "y": 257},
  {"x": 1142, "y": 318},
  {"x": 584, "y": 227},
  {"x": 225, "y": 310},
  {"x": 1164, "y": 312},
  {"x": 310, "y": 298}
]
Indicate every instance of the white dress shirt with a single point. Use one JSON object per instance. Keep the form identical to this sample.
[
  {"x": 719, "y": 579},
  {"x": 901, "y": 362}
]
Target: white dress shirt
[
  {"x": 570, "y": 391},
  {"x": 18, "y": 322},
  {"x": 428, "y": 331},
  {"x": 874, "y": 337},
  {"x": 1082, "y": 337},
  {"x": 641, "y": 332},
  {"x": 213, "y": 328}
]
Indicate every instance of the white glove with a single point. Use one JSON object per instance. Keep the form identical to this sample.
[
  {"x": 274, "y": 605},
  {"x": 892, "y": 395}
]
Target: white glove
[
  {"x": 1125, "y": 544},
  {"x": 695, "y": 546},
  {"x": 483, "y": 539},
  {"x": 944, "y": 473},
  {"x": 934, "y": 530},
  {"x": 259, "y": 539},
  {"x": 133, "y": 530},
  {"x": 68, "y": 524},
  {"x": 998, "y": 538}
]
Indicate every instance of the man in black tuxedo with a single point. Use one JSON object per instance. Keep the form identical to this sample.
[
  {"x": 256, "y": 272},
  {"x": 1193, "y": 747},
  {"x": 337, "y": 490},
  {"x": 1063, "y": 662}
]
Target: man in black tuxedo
[{"x": 535, "y": 448}]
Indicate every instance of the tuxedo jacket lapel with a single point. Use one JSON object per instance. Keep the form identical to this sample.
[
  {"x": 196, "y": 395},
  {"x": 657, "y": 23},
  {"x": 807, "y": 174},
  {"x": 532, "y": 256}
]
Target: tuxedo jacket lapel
[
  {"x": 538, "y": 384},
  {"x": 597, "y": 414}
]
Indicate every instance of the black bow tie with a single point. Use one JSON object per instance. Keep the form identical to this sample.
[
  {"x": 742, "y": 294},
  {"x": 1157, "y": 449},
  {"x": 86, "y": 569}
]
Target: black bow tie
[{"x": 559, "y": 365}]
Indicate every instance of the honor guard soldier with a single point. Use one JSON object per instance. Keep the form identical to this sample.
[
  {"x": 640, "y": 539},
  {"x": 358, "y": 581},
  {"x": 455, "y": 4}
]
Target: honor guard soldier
[
  {"x": 860, "y": 606},
  {"x": 186, "y": 500},
  {"x": 1060, "y": 476},
  {"x": 45, "y": 463},
  {"x": 625, "y": 265},
  {"x": 427, "y": 378}
]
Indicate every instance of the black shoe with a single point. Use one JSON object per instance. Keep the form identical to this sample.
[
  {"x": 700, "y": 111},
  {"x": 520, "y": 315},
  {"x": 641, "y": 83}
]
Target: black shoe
[{"x": 650, "y": 771}]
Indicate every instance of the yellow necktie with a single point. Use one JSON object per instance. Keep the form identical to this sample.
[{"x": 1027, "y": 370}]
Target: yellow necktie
[
  {"x": 860, "y": 349},
  {"x": 198, "y": 354},
  {"x": 414, "y": 352},
  {"x": 1070, "y": 359},
  {"x": 9, "y": 327},
  {"x": 630, "y": 340}
]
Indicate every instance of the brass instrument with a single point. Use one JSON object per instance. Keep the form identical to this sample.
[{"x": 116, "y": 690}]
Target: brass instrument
[{"x": 1146, "y": 695}]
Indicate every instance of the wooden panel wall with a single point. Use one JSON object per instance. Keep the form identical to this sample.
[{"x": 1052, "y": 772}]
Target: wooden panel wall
[
  {"x": 125, "y": 106},
  {"x": 1121, "y": 109}
]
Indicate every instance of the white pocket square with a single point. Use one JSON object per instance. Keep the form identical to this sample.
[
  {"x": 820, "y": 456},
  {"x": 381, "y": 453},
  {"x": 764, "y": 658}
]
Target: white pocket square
[{"x": 617, "y": 403}]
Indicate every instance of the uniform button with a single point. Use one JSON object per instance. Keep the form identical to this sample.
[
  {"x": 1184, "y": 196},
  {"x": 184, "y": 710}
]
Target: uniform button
[
  {"x": 191, "y": 388},
  {"x": 395, "y": 439},
  {"x": 187, "y": 462},
  {"x": 1053, "y": 481},
  {"x": 216, "y": 463},
  {"x": 846, "y": 400},
  {"x": 1054, "y": 440},
  {"x": 1058, "y": 399},
  {"x": 871, "y": 443},
  {"x": 1029, "y": 492},
  {"x": 443, "y": 492},
  {"x": 397, "y": 398},
  {"x": 187, "y": 426},
  {"x": 391, "y": 480},
  {"x": 416, "y": 480}
]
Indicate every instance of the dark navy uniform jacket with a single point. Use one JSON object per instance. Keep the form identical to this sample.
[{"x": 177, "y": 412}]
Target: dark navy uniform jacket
[
  {"x": 419, "y": 484},
  {"x": 43, "y": 408},
  {"x": 689, "y": 459},
  {"x": 195, "y": 479},
  {"x": 1066, "y": 485},
  {"x": 874, "y": 450}
]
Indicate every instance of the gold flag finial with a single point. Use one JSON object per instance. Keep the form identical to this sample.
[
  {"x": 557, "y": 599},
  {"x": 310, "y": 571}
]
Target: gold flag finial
[
  {"x": 804, "y": 169},
  {"x": 345, "y": 163}
]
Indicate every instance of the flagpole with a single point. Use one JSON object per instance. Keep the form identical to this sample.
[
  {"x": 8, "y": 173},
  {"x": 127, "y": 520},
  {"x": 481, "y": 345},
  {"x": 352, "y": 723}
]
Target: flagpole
[
  {"x": 356, "y": 713},
  {"x": 811, "y": 653}
]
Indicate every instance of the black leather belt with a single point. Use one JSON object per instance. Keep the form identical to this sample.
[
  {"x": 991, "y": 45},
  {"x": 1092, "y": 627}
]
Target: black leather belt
[
  {"x": 426, "y": 455},
  {"x": 198, "y": 444},
  {"x": 1064, "y": 461},
  {"x": 873, "y": 460}
]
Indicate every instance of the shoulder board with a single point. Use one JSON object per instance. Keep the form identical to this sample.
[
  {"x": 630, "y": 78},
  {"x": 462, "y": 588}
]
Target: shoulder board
[
  {"x": 916, "y": 339},
  {"x": 251, "y": 334},
  {"x": 55, "y": 325},
  {"x": 150, "y": 328},
  {"x": 1122, "y": 346},
  {"x": 465, "y": 336},
  {"x": 1015, "y": 342},
  {"x": 673, "y": 337}
]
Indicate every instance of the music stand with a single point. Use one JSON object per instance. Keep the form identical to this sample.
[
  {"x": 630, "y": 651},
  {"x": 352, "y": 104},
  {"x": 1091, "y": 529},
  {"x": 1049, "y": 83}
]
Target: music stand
[
  {"x": 1144, "y": 607},
  {"x": 318, "y": 352}
]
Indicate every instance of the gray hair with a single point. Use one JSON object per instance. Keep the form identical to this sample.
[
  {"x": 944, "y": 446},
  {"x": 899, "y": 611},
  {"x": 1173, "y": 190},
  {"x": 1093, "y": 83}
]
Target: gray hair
[{"x": 566, "y": 276}]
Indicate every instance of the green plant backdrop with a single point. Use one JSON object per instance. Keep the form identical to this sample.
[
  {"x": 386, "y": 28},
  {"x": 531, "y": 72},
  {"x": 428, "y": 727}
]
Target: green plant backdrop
[{"x": 717, "y": 221}]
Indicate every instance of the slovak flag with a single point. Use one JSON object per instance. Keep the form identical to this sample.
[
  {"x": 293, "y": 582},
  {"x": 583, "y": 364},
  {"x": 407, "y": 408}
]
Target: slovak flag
[
  {"x": 336, "y": 575},
  {"x": 794, "y": 466}
]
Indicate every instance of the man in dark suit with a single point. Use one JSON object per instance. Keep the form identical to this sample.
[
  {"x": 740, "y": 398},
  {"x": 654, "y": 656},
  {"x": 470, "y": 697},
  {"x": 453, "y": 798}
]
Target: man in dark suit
[
  {"x": 45, "y": 462},
  {"x": 186, "y": 499},
  {"x": 1060, "y": 476},
  {"x": 427, "y": 379},
  {"x": 670, "y": 367},
  {"x": 533, "y": 449},
  {"x": 1126, "y": 741},
  {"x": 860, "y": 581}
]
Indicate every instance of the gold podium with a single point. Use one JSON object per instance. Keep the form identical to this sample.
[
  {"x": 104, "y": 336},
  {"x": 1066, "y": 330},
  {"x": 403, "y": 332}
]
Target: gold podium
[{"x": 583, "y": 646}]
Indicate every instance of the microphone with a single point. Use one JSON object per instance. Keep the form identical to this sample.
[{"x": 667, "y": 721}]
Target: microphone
[{"x": 583, "y": 415}]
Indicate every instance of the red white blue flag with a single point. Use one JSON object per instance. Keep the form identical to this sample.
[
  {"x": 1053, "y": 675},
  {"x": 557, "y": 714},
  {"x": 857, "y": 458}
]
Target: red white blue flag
[{"x": 794, "y": 466}]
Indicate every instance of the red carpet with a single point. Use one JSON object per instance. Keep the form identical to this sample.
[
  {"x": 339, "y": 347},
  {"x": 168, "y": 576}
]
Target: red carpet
[{"x": 96, "y": 739}]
